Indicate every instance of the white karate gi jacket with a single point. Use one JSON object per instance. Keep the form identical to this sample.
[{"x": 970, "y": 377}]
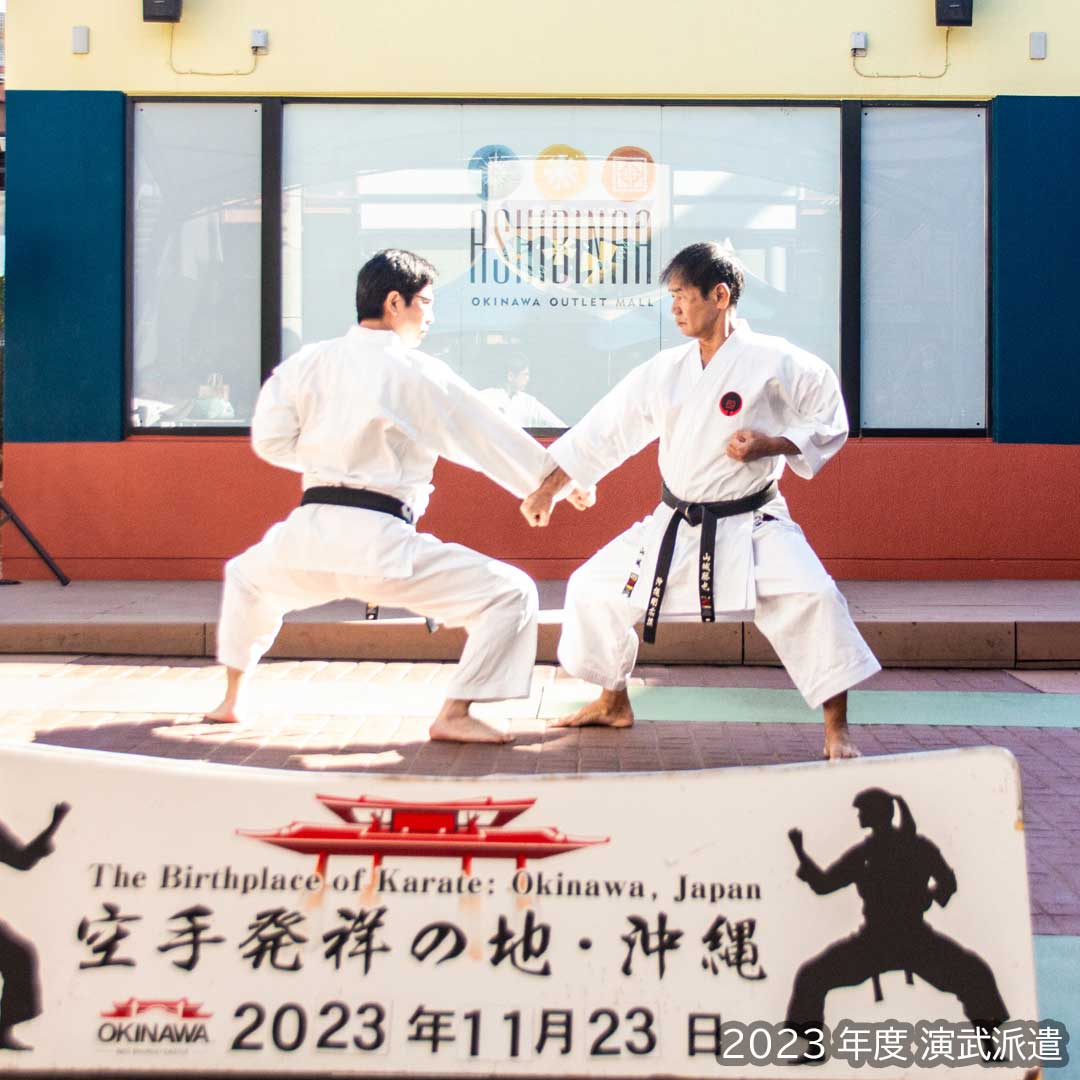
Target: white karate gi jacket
[
  {"x": 363, "y": 411},
  {"x": 782, "y": 391}
]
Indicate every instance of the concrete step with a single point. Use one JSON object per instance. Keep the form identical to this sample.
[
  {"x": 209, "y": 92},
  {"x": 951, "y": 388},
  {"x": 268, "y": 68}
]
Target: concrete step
[{"x": 984, "y": 624}]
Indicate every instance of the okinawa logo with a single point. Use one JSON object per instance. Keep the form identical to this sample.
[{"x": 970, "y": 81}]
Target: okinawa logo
[
  {"x": 464, "y": 829},
  {"x": 124, "y": 1025}
]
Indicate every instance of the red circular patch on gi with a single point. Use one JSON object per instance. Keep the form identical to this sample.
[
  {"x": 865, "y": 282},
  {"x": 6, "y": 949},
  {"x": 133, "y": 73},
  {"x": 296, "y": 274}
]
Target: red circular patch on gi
[{"x": 730, "y": 403}]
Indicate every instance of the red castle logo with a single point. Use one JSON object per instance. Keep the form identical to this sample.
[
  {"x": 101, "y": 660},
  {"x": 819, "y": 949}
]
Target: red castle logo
[
  {"x": 462, "y": 829},
  {"x": 178, "y": 1007}
]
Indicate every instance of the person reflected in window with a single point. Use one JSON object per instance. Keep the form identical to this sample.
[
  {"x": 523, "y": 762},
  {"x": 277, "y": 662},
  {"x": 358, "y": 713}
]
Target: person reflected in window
[
  {"x": 515, "y": 404},
  {"x": 212, "y": 400}
]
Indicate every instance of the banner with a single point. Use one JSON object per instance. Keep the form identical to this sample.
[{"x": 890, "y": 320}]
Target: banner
[{"x": 178, "y": 918}]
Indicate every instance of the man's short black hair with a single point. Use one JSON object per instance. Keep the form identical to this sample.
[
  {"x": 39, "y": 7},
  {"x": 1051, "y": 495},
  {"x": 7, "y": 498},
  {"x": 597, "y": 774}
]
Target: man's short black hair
[
  {"x": 705, "y": 266},
  {"x": 392, "y": 270}
]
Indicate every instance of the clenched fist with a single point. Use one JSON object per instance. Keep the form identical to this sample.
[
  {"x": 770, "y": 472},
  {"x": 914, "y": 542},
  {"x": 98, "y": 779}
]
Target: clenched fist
[
  {"x": 536, "y": 508},
  {"x": 747, "y": 445},
  {"x": 582, "y": 498}
]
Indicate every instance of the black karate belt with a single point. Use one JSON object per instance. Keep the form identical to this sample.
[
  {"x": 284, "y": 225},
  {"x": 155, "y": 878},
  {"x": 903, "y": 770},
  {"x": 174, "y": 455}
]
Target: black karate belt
[
  {"x": 362, "y": 499},
  {"x": 705, "y": 515}
]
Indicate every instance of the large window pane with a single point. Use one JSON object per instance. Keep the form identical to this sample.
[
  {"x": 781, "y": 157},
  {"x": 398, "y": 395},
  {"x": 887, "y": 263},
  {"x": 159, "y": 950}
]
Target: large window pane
[
  {"x": 572, "y": 205},
  {"x": 197, "y": 276},
  {"x": 924, "y": 268},
  {"x": 766, "y": 183},
  {"x": 550, "y": 226},
  {"x": 359, "y": 178}
]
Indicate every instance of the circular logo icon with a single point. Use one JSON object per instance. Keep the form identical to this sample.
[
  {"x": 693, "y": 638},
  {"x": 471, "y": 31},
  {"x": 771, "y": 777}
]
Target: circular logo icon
[
  {"x": 499, "y": 168},
  {"x": 561, "y": 171},
  {"x": 629, "y": 173},
  {"x": 730, "y": 403}
]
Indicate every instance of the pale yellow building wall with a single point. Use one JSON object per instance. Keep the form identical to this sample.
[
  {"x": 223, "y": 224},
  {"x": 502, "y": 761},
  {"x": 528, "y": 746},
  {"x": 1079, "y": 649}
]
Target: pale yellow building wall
[{"x": 546, "y": 48}]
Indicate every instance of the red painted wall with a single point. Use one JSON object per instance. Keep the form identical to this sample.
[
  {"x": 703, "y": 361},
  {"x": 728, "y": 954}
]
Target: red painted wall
[{"x": 176, "y": 508}]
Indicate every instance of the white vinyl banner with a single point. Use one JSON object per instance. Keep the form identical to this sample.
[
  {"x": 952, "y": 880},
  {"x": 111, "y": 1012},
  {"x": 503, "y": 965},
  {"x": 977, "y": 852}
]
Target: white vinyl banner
[{"x": 180, "y": 918}]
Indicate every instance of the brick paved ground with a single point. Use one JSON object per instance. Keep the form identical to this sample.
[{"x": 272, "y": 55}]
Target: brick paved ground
[{"x": 384, "y": 741}]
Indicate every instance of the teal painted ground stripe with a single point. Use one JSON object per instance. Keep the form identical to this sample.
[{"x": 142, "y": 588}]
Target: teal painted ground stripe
[
  {"x": 937, "y": 709},
  {"x": 1057, "y": 976}
]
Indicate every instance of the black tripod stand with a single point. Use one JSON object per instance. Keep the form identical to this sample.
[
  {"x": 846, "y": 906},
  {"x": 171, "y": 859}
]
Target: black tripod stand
[{"x": 8, "y": 514}]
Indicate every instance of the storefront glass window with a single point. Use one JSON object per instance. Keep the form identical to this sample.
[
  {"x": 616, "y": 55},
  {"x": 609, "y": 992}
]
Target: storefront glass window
[
  {"x": 550, "y": 226},
  {"x": 924, "y": 268},
  {"x": 196, "y": 261}
]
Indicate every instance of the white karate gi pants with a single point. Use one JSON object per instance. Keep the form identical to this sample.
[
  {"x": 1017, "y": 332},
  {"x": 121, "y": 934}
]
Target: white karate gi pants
[
  {"x": 497, "y": 604},
  {"x": 799, "y": 610}
]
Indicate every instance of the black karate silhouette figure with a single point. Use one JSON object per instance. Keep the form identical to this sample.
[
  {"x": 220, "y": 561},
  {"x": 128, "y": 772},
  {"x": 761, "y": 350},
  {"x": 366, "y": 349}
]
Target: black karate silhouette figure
[
  {"x": 21, "y": 996},
  {"x": 892, "y": 870}
]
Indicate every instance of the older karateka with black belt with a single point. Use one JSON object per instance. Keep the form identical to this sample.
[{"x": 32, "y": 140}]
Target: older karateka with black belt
[
  {"x": 730, "y": 409},
  {"x": 364, "y": 418}
]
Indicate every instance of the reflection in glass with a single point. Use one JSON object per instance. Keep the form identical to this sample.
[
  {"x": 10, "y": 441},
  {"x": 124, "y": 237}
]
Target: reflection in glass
[
  {"x": 550, "y": 226},
  {"x": 196, "y": 252},
  {"x": 924, "y": 268},
  {"x": 764, "y": 182},
  {"x": 514, "y": 401}
]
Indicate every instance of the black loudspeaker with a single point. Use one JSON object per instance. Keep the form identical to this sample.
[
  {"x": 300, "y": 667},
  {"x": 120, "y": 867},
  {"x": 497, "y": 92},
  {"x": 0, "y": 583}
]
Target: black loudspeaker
[
  {"x": 954, "y": 12},
  {"x": 169, "y": 10}
]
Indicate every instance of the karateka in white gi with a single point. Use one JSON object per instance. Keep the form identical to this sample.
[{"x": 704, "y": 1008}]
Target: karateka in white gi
[
  {"x": 730, "y": 410},
  {"x": 364, "y": 418},
  {"x": 515, "y": 404}
]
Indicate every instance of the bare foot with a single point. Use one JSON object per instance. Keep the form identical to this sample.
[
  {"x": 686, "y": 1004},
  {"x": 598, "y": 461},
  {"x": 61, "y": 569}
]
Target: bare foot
[
  {"x": 456, "y": 724},
  {"x": 838, "y": 742},
  {"x": 232, "y": 709},
  {"x": 611, "y": 709},
  {"x": 225, "y": 713},
  {"x": 838, "y": 745}
]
